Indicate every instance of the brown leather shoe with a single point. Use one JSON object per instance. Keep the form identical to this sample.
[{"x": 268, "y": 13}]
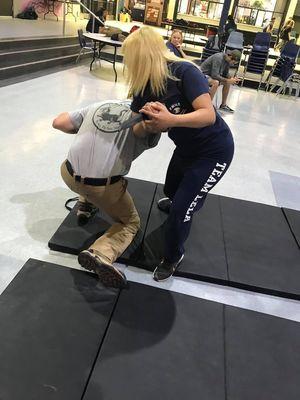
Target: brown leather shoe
[
  {"x": 85, "y": 211},
  {"x": 108, "y": 274}
]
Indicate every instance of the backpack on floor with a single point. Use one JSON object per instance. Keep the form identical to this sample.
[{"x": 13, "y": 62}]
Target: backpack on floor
[{"x": 28, "y": 13}]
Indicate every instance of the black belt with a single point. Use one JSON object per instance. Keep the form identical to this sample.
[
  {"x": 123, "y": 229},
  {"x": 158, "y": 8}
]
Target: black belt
[{"x": 91, "y": 181}]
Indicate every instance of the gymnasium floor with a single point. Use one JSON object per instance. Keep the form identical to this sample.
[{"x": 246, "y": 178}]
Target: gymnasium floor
[{"x": 265, "y": 169}]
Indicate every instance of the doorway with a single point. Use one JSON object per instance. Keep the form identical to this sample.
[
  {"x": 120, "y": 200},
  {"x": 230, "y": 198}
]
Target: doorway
[{"x": 6, "y": 8}]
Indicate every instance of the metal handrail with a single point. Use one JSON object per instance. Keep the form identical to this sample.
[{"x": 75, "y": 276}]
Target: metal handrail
[{"x": 86, "y": 8}]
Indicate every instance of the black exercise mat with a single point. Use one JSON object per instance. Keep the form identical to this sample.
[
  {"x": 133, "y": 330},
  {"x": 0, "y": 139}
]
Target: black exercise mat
[
  {"x": 232, "y": 242},
  {"x": 52, "y": 322},
  {"x": 261, "y": 252},
  {"x": 72, "y": 238},
  {"x": 165, "y": 345},
  {"x": 205, "y": 254},
  {"x": 147, "y": 343},
  {"x": 263, "y": 358},
  {"x": 293, "y": 219},
  {"x": 161, "y": 345}
]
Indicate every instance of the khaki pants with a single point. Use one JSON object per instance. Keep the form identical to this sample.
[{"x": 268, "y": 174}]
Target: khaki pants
[{"x": 115, "y": 201}]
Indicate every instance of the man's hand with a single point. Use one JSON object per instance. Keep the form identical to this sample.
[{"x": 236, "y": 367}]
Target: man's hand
[
  {"x": 233, "y": 81},
  {"x": 160, "y": 119}
]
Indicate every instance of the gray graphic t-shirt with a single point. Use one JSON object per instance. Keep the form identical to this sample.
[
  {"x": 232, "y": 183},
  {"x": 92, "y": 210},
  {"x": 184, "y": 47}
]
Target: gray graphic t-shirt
[{"x": 101, "y": 149}]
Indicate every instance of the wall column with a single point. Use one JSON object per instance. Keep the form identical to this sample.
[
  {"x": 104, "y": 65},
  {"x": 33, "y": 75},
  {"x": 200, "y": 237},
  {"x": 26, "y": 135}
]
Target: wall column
[{"x": 291, "y": 9}]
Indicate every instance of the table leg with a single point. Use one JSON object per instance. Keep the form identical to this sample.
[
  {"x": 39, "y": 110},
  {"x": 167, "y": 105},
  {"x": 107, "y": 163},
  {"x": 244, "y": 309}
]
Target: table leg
[
  {"x": 94, "y": 55},
  {"x": 51, "y": 8},
  {"x": 114, "y": 64}
]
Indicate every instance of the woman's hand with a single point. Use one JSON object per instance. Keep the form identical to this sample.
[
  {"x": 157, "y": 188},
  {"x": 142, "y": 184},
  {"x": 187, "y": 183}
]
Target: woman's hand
[{"x": 160, "y": 119}]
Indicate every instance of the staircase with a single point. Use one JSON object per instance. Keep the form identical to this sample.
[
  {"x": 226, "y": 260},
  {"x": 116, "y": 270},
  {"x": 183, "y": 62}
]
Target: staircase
[{"x": 22, "y": 56}]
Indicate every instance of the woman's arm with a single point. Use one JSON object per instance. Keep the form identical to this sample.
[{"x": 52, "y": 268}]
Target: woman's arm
[
  {"x": 181, "y": 52},
  {"x": 161, "y": 119}
]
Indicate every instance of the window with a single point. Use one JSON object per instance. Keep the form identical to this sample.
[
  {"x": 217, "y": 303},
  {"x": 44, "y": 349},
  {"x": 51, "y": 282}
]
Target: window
[
  {"x": 256, "y": 12},
  {"x": 201, "y": 8}
]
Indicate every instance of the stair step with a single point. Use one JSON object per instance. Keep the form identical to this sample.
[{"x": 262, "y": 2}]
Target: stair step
[
  {"x": 14, "y": 58},
  {"x": 32, "y": 43},
  {"x": 21, "y": 69}
]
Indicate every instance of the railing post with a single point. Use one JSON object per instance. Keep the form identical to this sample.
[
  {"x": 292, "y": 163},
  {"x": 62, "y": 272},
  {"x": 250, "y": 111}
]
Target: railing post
[{"x": 64, "y": 18}]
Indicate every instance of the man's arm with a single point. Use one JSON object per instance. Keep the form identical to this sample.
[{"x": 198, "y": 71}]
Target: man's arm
[
  {"x": 222, "y": 79},
  {"x": 64, "y": 123},
  {"x": 142, "y": 130},
  {"x": 215, "y": 71}
]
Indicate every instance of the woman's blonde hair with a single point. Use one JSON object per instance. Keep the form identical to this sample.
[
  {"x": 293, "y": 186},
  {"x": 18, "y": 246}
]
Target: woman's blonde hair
[
  {"x": 146, "y": 58},
  {"x": 289, "y": 23},
  {"x": 292, "y": 23}
]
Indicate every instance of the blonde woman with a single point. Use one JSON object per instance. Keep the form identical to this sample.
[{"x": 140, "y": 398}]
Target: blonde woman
[
  {"x": 174, "y": 44},
  {"x": 285, "y": 34},
  {"x": 174, "y": 94}
]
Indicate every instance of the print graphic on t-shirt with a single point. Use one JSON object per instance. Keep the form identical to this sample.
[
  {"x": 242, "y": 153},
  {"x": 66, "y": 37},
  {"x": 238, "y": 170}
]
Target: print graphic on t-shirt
[
  {"x": 108, "y": 117},
  {"x": 176, "y": 108}
]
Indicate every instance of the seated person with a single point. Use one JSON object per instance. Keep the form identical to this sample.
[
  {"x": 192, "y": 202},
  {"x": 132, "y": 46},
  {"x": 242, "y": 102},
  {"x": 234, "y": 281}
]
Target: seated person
[
  {"x": 216, "y": 68},
  {"x": 109, "y": 31},
  {"x": 101, "y": 14},
  {"x": 174, "y": 44},
  {"x": 97, "y": 161}
]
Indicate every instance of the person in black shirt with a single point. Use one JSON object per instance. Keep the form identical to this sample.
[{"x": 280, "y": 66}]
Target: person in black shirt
[
  {"x": 285, "y": 34},
  {"x": 101, "y": 14},
  {"x": 269, "y": 27},
  {"x": 230, "y": 25},
  {"x": 174, "y": 94}
]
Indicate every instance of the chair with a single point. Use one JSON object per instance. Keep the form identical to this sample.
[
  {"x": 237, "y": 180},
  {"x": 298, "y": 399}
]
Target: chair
[
  {"x": 262, "y": 41},
  {"x": 284, "y": 65},
  {"x": 207, "y": 53},
  {"x": 235, "y": 41},
  {"x": 84, "y": 44},
  {"x": 258, "y": 56},
  {"x": 290, "y": 50},
  {"x": 293, "y": 80},
  {"x": 213, "y": 46},
  {"x": 293, "y": 35}
]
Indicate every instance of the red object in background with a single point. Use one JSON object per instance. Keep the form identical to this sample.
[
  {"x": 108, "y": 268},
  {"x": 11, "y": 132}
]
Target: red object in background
[
  {"x": 211, "y": 31},
  {"x": 134, "y": 28}
]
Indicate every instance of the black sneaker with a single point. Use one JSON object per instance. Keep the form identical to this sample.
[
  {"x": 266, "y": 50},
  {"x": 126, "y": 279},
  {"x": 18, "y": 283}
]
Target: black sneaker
[
  {"x": 226, "y": 109},
  {"x": 85, "y": 211},
  {"x": 164, "y": 204},
  {"x": 108, "y": 274},
  {"x": 166, "y": 269}
]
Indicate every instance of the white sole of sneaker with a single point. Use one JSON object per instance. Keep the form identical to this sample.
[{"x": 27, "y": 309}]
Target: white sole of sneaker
[{"x": 163, "y": 280}]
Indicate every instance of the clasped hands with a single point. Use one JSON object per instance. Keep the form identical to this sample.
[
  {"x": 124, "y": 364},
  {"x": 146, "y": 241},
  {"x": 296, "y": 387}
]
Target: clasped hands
[
  {"x": 160, "y": 119},
  {"x": 234, "y": 80}
]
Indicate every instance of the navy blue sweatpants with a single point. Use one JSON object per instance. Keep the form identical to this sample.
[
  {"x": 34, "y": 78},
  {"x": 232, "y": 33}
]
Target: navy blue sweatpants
[{"x": 187, "y": 185}]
